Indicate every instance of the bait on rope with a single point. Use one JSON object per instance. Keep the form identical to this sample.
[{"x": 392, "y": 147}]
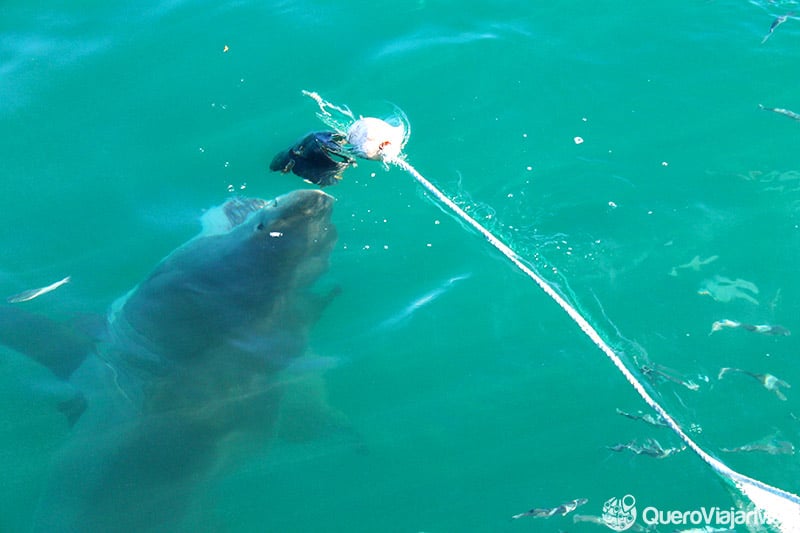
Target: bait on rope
[{"x": 321, "y": 158}]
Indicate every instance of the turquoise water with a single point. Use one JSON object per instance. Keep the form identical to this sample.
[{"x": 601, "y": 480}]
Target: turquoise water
[{"x": 122, "y": 123}]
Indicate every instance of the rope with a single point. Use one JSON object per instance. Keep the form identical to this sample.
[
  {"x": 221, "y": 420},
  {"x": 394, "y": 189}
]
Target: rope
[{"x": 718, "y": 466}]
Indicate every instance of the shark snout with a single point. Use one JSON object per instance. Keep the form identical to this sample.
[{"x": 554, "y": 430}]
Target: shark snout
[{"x": 311, "y": 203}]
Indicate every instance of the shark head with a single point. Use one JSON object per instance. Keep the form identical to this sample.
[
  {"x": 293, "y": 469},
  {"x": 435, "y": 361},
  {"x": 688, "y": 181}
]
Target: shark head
[
  {"x": 251, "y": 264},
  {"x": 291, "y": 236}
]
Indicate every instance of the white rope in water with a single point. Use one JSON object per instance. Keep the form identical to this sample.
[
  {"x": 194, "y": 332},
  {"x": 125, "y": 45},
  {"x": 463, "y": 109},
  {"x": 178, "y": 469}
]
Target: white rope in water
[
  {"x": 781, "y": 507},
  {"x": 788, "y": 516}
]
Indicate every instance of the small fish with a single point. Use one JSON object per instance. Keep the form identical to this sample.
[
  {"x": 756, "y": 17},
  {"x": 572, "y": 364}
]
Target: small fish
[
  {"x": 647, "y": 417},
  {"x": 779, "y": 448},
  {"x": 576, "y": 518},
  {"x": 724, "y": 289},
  {"x": 661, "y": 373},
  {"x": 406, "y": 313},
  {"x": 773, "y": 305},
  {"x": 588, "y": 518},
  {"x": 651, "y": 447},
  {"x": 547, "y": 512},
  {"x": 775, "y": 23},
  {"x": 785, "y": 112},
  {"x": 695, "y": 264},
  {"x": 764, "y": 329},
  {"x": 771, "y": 445},
  {"x": 28, "y": 295},
  {"x": 770, "y": 382}
]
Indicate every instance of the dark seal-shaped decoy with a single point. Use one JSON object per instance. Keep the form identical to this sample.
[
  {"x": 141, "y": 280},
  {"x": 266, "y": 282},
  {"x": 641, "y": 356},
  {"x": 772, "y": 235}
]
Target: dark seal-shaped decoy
[{"x": 319, "y": 158}]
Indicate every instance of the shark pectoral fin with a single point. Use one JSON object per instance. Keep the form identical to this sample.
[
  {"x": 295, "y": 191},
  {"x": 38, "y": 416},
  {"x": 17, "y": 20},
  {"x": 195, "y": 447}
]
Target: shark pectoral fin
[
  {"x": 306, "y": 415},
  {"x": 57, "y": 346},
  {"x": 312, "y": 305},
  {"x": 73, "y": 407}
]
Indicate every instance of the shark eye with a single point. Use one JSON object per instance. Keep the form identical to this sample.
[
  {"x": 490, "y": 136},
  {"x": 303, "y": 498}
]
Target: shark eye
[{"x": 260, "y": 227}]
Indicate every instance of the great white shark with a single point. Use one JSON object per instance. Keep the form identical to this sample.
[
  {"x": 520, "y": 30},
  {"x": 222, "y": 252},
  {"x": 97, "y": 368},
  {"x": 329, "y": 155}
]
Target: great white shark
[{"x": 193, "y": 361}]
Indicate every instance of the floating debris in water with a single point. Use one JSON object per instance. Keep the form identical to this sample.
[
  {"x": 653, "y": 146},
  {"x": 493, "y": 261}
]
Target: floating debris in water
[
  {"x": 649, "y": 418},
  {"x": 695, "y": 264},
  {"x": 764, "y": 329},
  {"x": 724, "y": 289},
  {"x": 547, "y": 512},
  {"x": 785, "y": 112},
  {"x": 28, "y": 295},
  {"x": 651, "y": 448},
  {"x": 769, "y": 381}
]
